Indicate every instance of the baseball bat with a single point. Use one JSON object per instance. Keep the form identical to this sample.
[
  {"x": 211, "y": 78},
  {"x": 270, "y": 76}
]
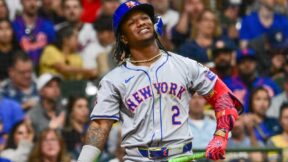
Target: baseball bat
[{"x": 189, "y": 157}]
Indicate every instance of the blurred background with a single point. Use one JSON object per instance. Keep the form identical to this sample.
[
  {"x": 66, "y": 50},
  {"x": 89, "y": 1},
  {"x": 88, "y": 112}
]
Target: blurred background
[{"x": 54, "y": 52}]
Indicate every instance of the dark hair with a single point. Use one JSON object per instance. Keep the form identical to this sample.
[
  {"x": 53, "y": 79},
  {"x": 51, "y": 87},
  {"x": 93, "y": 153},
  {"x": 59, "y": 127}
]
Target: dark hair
[
  {"x": 122, "y": 51},
  {"x": 253, "y": 93},
  {"x": 19, "y": 56},
  {"x": 103, "y": 23},
  {"x": 71, "y": 102},
  {"x": 10, "y": 142},
  {"x": 283, "y": 107},
  {"x": 15, "y": 44},
  {"x": 64, "y": 1},
  {"x": 65, "y": 32}
]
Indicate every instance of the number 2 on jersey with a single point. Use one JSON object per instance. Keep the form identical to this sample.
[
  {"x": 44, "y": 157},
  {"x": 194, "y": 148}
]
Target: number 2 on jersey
[{"x": 176, "y": 113}]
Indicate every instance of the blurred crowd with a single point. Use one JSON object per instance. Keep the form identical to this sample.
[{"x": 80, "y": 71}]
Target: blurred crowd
[{"x": 44, "y": 44}]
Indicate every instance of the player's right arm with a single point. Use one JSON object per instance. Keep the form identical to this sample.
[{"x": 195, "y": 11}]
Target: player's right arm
[{"x": 96, "y": 137}]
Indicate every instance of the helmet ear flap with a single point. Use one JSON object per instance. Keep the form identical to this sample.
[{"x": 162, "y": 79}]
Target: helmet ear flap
[{"x": 158, "y": 25}]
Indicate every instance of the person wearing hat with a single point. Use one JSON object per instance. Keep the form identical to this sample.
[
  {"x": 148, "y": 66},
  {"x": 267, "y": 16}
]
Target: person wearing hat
[
  {"x": 222, "y": 53},
  {"x": 48, "y": 112},
  {"x": 247, "y": 78}
]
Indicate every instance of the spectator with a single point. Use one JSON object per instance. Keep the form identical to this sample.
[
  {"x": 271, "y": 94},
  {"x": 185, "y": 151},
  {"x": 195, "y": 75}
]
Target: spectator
[
  {"x": 20, "y": 143},
  {"x": 230, "y": 18},
  {"x": 199, "y": 122},
  {"x": 278, "y": 61},
  {"x": 264, "y": 127},
  {"x": 248, "y": 79},
  {"x": 96, "y": 54},
  {"x": 205, "y": 30},
  {"x": 8, "y": 47},
  {"x": 281, "y": 140},
  {"x": 268, "y": 44},
  {"x": 50, "y": 147},
  {"x": 190, "y": 10},
  {"x": 76, "y": 124},
  {"x": 62, "y": 58},
  {"x": 49, "y": 11},
  {"x": 4, "y": 10},
  {"x": 72, "y": 10},
  {"x": 278, "y": 100},
  {"x": 19, "y": 86},
  {"x": 108, "y": 7},
  {"x": 48, "y": 112},
  {"x": 262, "y": 21},
  {"x": 239, "y": 139},
  {"x": 32, "y": 31},
  {"x": 10, "y": 114},
  {"x": 222, "y": 53}
]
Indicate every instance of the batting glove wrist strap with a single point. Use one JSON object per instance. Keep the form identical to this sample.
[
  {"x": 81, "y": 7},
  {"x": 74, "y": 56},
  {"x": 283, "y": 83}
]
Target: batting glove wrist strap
[{"x": 89, "y": 154}]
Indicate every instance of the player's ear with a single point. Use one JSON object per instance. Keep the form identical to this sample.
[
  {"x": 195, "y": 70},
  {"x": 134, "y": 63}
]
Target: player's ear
[{"x": 124, "y": 39}]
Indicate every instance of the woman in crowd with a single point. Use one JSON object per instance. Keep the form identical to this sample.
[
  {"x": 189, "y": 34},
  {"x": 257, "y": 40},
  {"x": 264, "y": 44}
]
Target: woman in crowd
[
  {"x": 264, "y": 127},
  {"x": 49, "y": 148},
  {"x": 8, "y": 46},
  {"x": 281, "y": 140},
  {"x": 20, "y": 143},
  {"x": 76, "y": 124},
  {"x": 205, "y": 30},
  {"x": 63, "y": 59}
]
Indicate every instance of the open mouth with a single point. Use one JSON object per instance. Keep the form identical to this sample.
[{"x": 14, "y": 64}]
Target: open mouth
[{"x": 144, "y": 30}]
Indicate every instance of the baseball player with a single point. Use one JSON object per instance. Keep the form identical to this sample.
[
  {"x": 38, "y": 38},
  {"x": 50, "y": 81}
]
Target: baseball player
[{"x": 148, "y": 93}]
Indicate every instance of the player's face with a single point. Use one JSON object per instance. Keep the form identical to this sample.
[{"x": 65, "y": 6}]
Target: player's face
[
  {"x": 137, "y": 27},
  {"x": 72, "y": 10},
  {"x": 260, "y": 102},
  {"x": 284, "y": 120}
]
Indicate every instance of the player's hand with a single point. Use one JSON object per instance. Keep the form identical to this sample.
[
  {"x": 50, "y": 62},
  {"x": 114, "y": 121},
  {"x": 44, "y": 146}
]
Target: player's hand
[{"x": 216, "y": 148}]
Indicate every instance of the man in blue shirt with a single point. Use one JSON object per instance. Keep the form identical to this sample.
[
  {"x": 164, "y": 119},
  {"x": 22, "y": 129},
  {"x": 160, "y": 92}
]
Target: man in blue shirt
[
  {"x": 263, "y": 21},
  {"x": 32, "y": 31}
]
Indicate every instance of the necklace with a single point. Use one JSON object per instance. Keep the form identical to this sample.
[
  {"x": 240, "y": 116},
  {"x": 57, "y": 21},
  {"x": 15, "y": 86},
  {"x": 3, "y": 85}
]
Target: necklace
[{"x": 143, "y": 61}]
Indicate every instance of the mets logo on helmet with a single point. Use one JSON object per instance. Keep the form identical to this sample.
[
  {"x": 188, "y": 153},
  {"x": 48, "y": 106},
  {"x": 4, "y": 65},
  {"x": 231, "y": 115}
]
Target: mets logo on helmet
[{"x": 130, "y": 4}]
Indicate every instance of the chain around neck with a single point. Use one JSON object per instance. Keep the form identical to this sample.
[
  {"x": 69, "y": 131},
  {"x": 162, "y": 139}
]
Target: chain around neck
[{"x": 144, "y": 61}]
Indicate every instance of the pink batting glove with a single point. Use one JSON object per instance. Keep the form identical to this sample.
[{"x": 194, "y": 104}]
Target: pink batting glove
[{"x": 216, "y": 148}]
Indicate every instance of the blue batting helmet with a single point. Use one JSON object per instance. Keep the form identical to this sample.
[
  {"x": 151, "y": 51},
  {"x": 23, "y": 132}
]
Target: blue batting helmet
[{"x": 126, "y": 8}]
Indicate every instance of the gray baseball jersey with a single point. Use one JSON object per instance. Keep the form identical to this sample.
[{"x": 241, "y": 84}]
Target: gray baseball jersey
[{"x": 151, "y": 103}]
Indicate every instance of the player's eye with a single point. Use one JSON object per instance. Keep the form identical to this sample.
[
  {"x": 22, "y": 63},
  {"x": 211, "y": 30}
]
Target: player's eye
[{"x": 145, "y": 17}]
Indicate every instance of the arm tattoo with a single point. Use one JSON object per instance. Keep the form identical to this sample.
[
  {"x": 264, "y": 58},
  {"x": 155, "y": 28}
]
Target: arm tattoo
[{"x": 96, "y": 136}]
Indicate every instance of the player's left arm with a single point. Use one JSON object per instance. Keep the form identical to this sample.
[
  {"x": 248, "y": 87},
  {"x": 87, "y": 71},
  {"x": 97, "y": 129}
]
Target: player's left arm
[{"x": 227, "y": 107}]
